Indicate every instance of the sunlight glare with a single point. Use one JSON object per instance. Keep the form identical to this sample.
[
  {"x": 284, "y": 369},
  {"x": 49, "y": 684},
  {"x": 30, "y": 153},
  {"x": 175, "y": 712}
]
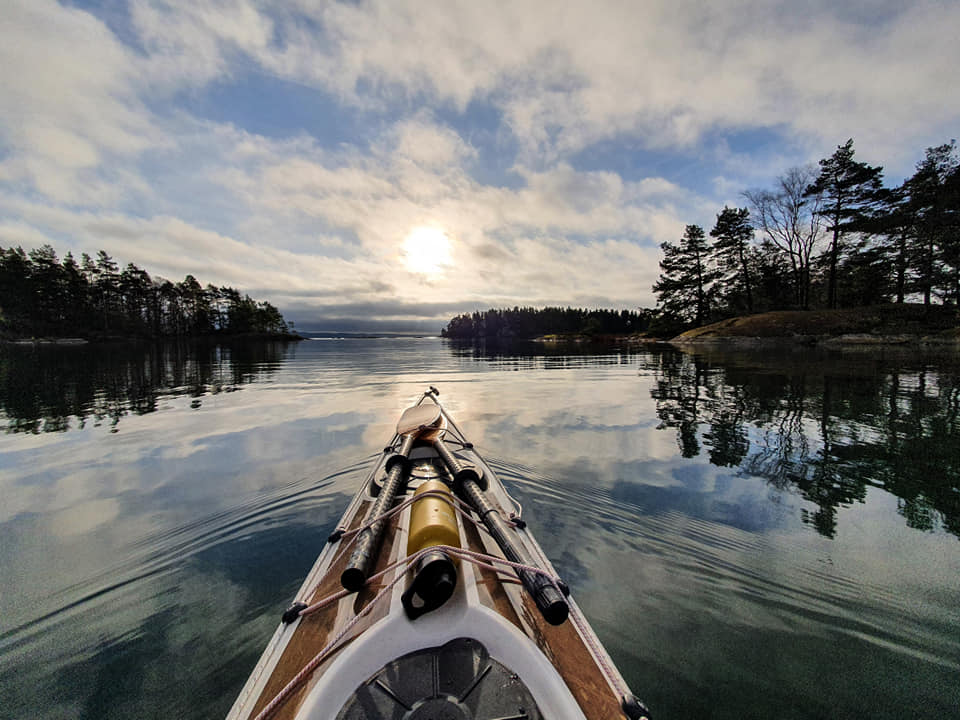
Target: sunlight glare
[{"x": 426, "y": 250}]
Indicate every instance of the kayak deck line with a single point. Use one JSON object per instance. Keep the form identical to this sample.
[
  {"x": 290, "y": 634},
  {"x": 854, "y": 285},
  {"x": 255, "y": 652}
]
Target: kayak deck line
[{"x": 492, "y": 645}]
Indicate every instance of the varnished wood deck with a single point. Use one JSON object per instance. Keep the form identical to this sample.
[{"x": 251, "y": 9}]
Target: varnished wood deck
[
  {"x": 561, "y": 644},
  {"x": 565, "y": 648},
  {"x": 317, "y": 629}
]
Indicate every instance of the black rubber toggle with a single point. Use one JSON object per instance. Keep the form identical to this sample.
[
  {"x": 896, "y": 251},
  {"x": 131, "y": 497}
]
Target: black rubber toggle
[
  {"x": 335, "y": 535},
  {"x": 467, "y": 445},
  {"x": 293, "y": 612},
  {"x": 633, "y": 708},
  {"x": 517, "y": 521},
  {"x": 434, "y": 391}
]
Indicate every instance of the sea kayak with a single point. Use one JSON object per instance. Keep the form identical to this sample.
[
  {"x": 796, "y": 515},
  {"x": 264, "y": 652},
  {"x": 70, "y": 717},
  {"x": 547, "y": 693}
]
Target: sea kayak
[{"x": 433, "y": 601}]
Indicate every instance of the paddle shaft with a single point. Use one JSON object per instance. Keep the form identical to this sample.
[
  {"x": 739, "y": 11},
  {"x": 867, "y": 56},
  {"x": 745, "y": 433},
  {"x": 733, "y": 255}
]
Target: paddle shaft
[
  {"x": 459, "y": 471},
  {"x": 550, "y": 601},
  {"x": 368, "y": 542}
]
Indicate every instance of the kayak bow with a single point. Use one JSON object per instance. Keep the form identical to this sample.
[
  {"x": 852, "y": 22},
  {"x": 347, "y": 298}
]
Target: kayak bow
[{"x": 433, "y": 600}]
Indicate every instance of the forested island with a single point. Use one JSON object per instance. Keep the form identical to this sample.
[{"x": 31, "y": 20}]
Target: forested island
[
  {"x": 527, "y": 322},
  {"x": 44, "y": 297}
]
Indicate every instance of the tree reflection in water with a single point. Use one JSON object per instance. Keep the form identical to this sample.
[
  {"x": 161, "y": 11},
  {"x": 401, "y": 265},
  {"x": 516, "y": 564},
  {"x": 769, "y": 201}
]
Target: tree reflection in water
[
  {"x": 825, "y": 426},
  {"x": 55, "y": 388}
]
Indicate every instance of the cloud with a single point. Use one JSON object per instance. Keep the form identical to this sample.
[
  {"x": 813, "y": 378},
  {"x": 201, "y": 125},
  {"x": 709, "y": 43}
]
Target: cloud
[
  {"x": 70, "y": 104},
  {"x": 190, "y": 44},
  {"x": 590, "y": 233},
  {"x": 568, "y": 76},
  {"x": 509, "y": 246},
  {"x": 422, "y": 142}
]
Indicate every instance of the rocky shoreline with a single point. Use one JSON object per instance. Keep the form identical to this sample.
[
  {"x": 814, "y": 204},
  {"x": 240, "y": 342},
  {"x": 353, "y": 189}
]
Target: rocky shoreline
[{"x": 907, "y": 325}]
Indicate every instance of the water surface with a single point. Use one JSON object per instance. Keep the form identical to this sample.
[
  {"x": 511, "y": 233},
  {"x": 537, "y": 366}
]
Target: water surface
[{"x": 751, "y": 535}]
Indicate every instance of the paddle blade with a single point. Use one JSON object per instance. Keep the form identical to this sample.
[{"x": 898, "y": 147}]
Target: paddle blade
[{"x": 417, "y": 417}]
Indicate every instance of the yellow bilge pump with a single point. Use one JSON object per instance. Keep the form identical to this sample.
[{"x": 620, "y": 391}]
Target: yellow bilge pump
[{"x": 433, "y": 522}]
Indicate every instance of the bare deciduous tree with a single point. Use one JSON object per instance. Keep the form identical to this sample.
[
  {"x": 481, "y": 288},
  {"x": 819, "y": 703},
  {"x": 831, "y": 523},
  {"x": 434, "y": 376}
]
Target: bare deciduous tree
[{"x": 791, "y": 219}]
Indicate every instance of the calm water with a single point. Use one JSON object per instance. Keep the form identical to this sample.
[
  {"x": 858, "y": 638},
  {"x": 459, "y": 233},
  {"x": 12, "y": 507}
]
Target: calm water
[{"x": 752, "y": 536}]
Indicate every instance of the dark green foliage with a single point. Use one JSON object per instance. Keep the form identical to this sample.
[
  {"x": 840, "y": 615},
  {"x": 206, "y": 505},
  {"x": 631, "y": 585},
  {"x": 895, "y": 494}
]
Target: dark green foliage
[
  {"x": 673, "y": 288},
  {"x": 40, "y": 296},
  {"x": 867, "y": 279},
  {"x": 950, "y": 237},
  {"x": 528, "y": 322},
  {"x": 733, "y": 235},
  {"x": 932, "y": 222},
  {"x": 849, "y": 190},
  {"x": 774, "y": 281},
  {"x": 917, "y": 227},
  {"x": 882, "y": 244},
  {"x": 890, "y": 233},
  {"x": 688, "y": 276}
]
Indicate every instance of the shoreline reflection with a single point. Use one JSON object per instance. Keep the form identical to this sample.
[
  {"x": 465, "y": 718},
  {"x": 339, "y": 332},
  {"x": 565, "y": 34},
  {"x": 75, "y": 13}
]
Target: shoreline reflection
[
  {"x": 56, "y": 389},
  {"x": 823, "y": 426}
]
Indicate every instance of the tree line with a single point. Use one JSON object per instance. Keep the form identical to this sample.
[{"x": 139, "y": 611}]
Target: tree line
[
  {"x": 42, "y": 296},
  {"x": 529, "y": 322},
  {"x": 828, "y": 237}
]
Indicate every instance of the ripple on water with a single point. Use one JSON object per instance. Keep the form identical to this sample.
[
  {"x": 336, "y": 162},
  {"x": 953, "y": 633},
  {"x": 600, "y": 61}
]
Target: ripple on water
[
  {"x": 757, "y": 581},
  {"x": 305, "y": 506}
]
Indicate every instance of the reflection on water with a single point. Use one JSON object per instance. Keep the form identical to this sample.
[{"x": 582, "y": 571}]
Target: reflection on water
[
  {"x": 824, "y": 427},
  {"x": 51, "y": 388},
  {"x": 751, "y": 535},
  {"x": 529, "y": 353}
]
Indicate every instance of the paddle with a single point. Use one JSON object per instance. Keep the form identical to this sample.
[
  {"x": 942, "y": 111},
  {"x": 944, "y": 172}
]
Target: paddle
[
  {"x": 411, "y": 423},
  {"x": 550, "y": 601}
]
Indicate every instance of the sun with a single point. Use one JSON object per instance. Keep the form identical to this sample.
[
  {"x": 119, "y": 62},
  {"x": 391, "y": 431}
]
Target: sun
[{"x": 426, "y": 250}]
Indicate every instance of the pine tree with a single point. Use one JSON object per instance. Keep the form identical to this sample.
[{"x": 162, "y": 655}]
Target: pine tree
[
  {"x": 687, "y": 277},
  {"x": 890, "y": 222},
  {"x": 849, "y": 189},
  {"x": 76, "y": 293},
  {"x": 950, "y": 238},
  {"x": 734, "y": 234},
  {"x": 931, "y": 209}
]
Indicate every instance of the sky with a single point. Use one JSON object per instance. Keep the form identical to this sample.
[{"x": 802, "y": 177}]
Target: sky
[{"x": 386, "y": 165}]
